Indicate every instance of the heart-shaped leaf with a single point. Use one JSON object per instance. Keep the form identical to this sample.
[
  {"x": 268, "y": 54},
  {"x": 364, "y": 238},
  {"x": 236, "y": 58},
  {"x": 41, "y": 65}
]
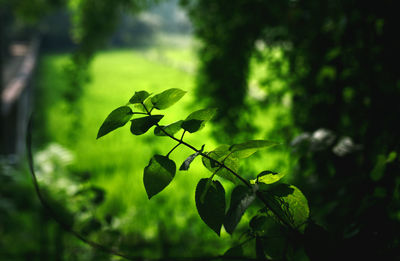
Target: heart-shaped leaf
[
  {"x": 117, "y": 118},
  {"x": 158, "y": 174},
  {"x": 241, "y": 199},
  {"x": 139, "y": 97},
  {"x": 210, "y": 203},
  {"x": 142, "y": 125},
  {"x": 167, "y": 98}
]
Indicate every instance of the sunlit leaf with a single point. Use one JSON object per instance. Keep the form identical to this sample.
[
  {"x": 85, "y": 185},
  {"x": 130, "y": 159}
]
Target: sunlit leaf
[
  {"x": 139, "y": 97},
  {"x": 246, "y": 149},
  {"x": 241, "y": 199},
  {"x": 171, "y": 129},
  {"x": 142, "y": 125},
  {"x": 289, "y": 204},
  {"x": 117, "y": 118},
  {"x": 268, "y": 177},
  {"x": 167, "y": 98},
  {"x": 196, "y": 120},
  {"x": 210, "y": 203},
  {"x": 158, "y": 174}
]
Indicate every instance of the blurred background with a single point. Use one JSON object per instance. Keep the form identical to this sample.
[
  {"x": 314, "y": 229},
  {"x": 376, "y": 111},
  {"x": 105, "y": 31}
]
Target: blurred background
[{"x": 322, "y": 78}]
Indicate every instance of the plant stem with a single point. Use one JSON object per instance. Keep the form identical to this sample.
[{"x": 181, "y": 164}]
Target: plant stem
[
  {"x": 176, "y": 146},
  {"x": 222, "y": 165}
]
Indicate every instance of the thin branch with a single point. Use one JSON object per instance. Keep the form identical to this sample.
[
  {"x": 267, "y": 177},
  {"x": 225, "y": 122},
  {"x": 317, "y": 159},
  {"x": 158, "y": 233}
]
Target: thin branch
[
  {"x": 176, "y": 146},
  {"x": 221, "y": 164}
]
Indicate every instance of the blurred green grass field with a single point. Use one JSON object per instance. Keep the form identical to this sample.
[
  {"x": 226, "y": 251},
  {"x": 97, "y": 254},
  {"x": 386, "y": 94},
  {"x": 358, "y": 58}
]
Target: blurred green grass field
[{"x": 116, "y": 161}]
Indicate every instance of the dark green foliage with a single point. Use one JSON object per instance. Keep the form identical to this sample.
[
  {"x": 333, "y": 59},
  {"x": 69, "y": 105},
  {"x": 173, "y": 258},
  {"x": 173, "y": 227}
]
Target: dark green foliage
[
  {"x": 158, "y": 174},
  {"x": 271, "y": 236},
  {"x": 288, "y": 204},
  {"x": 117, "y": 118},
  {"x": 241, "y": 199},
  {"x": 140, "y": 126},
  {"x": 210, "y": 203},
  {"x": 343, "y": 75},
  {"x": 236, "y": 251},
  {"x": 139, "y": 97}
]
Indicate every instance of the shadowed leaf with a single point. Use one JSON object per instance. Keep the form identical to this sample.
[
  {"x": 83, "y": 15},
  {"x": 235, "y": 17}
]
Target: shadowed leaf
[
  {"x": 196, "y": 120},
  {"x": 117, "y": 118},
  {"x": 289, "y": 203},
  {"x": 241, "y": 199},
  {"x": 210, "y": 203},
  {"x": 158, "y": 174},
  {"x": 139, "y": 97},
  {"x": 236, "y": 252},
  {"x": 192, "y": 125},
  {"x": 142, "y": 125}
]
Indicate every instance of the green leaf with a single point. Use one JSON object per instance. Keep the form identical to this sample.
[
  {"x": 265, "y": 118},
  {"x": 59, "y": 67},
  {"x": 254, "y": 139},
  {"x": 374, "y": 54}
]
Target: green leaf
[
  {"x": 192, "y": 125},
  {"x": 158, "y": 174},
  {"x": 260, "y": 249},
  {"x": 272, "y": 238},
  {"x": 246, "y": 149},
  {"x": 235, "y": 252},
  {"x": 241, "y": 199},
  {"x": 167, "y": 98},
  {"x": 117, "y": 118},
  {"x": 186, "y": 164},
  {"x": 268, "y": 177},
  {"x": 140, "y": 107},
  {"x": 196, "y": 120},
  {"x": 171, "y": 129},
  {"x": 210, "y": 203},
  {"x": 379, "y": 168},
  {"x": 139, "y": 97},
  {"x": 289, "y": 204},
  {"x": 142, "y": 125},
  {"x": 220, "y": 154}
]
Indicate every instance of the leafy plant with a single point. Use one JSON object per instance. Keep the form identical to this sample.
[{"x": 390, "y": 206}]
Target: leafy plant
[{"x": 283, "y": 210}]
